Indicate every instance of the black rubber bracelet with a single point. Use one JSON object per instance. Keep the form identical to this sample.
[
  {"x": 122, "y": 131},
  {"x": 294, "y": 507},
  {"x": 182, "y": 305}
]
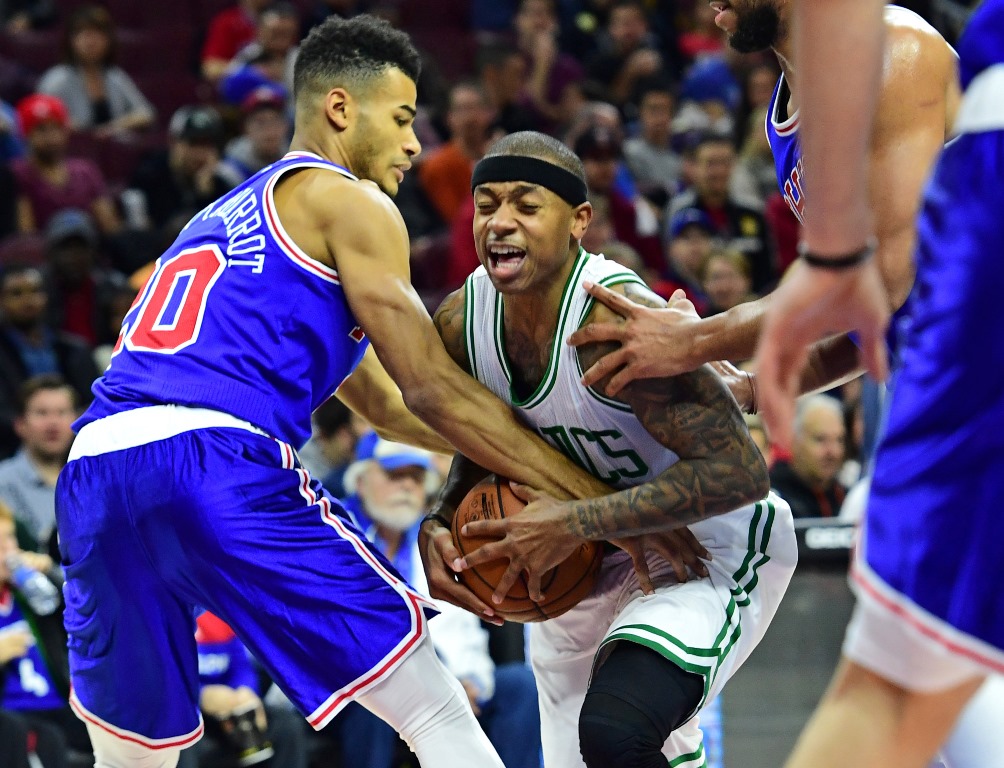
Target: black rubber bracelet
[
  {"x": 846, "y": 261},
  {"x": 437, "y": 518}
]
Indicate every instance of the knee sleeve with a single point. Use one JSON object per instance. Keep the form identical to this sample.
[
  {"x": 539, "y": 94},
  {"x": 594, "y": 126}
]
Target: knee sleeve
[{"x": 636, "y": 699}]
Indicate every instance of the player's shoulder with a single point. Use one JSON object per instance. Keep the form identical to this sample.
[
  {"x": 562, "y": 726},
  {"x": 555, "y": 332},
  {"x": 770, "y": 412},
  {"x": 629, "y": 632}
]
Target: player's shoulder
[
  {"x": 330, "y": 196},
  {"x": 914, "y": 48}
]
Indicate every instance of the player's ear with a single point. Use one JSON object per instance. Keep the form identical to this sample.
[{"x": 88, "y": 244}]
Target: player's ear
[
  {"x": 581, "y": 216},
  {"x": 338, "y": 107}
]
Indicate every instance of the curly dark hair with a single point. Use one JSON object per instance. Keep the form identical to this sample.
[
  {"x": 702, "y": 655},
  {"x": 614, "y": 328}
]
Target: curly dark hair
[
  {"x": 540, "y": 146},
  {"x": 340, "y": 51}
]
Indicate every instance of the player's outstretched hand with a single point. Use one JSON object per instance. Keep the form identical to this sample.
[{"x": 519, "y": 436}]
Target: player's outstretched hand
[
  {"x": 654, "y": 343},
  {"x": 808, "y": 306},
  {"x": 534, "y": 541},
  {"x": 679, "y": 548},
  {"x": 435, "y": 544}
]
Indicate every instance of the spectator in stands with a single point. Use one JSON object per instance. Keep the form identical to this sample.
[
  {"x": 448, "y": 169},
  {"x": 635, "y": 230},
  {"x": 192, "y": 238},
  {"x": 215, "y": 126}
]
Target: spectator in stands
[
  {"x": 628, "y": 53},
  {"x": 725, "y": 278},
  {"x": 808, "y": 482},
  {"x": 336, "y": 432},
  {"x": 446, "y": 173},
  {"x": 99, "y": 96},
  {"x": 79, "y": 290},
  {"x": 229, "y": 683},
  {"x": 655, "y": 166},
  {"x": 34, "y": 669},
  {"x": 390, "y": 483},
  {"x": 735, "y": 222},
  {"x": 688, "y": 243},
  {"x": 551, "y": 72},
  {"x": 634, "y": 221},
  {"x": 269, "y": 60},
  {"x": 704, "y": 38},
  {"x": 119, "y": 304},
  {"x": 11, "y": 140},
  {"x": 265, "y": 138},
  {"x": 29, "y": 348},
  {"x": 502, "y": 72},
  {"x": 47, "y": 409},
  {"x": 184, "y": 178},
  {"x": 22, "y": 15},
  {"x": 49, "y": 181},
  {"x": 754, "y": 177},
  {"x": 709, "y": 98},
  {"x": 229, "y": 31}
]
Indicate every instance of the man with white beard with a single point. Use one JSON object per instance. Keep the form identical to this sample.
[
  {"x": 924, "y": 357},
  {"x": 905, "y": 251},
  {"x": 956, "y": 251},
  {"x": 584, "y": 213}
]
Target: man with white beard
[{"x": 389, "y": 484}]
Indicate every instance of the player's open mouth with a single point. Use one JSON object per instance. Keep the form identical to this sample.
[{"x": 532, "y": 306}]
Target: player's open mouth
[{"x": 505, "y": 260}]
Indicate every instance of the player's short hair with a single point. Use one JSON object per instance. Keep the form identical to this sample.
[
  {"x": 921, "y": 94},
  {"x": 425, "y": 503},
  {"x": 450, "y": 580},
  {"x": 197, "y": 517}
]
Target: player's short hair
[
  {"x": 539, "y": 146},
  {"x": 45, "y": 382},
  {"x": 344, "y": 52}
]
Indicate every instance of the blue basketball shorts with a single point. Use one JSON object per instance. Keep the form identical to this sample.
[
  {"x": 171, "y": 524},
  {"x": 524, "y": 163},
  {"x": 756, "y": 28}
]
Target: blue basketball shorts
[
  {"x": 165, "y": 511},
  {"x": 931, "y": 547}
]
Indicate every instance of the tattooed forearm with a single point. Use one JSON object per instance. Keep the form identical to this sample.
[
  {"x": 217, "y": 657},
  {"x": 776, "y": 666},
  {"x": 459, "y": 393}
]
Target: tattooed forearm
[{"x": 720, "y": 468}]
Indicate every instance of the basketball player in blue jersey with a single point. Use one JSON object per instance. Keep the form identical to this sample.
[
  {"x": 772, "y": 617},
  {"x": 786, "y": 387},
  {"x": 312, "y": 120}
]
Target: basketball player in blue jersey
[
  {"x": 184, "y": 491},
  {"x": 929, "y": 625},
  {"x": 916, "y": 109}
]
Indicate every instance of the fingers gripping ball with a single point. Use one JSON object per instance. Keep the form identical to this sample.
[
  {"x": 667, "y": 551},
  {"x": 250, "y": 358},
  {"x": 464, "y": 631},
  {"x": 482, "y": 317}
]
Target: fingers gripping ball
[{"x": 563, "y": 586}]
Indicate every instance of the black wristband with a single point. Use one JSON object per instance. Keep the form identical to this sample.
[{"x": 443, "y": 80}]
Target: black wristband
[
  {"x": 436, "y": 518},
  {"x": 843, "y": 261}
]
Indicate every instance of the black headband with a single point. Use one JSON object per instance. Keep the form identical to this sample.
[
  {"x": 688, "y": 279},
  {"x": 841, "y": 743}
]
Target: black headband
[{"x": 532, "y": 170}]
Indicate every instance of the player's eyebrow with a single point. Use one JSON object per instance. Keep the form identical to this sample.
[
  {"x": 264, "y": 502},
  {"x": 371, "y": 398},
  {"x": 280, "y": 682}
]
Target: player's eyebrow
[{"x": 410, "y": 110}]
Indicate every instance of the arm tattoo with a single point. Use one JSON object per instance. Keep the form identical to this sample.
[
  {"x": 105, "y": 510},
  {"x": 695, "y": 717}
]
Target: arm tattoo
[
  {"x": 449, "y": 321},
  {"x": 694, "y": 415}
]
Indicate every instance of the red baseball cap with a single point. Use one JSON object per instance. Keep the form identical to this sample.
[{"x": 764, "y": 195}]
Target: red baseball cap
[{"x": 40, "y": 108}]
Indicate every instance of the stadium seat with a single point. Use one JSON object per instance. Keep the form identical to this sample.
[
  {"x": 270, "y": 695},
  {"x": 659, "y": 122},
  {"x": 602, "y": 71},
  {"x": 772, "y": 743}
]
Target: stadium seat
[
  {"x": 157, "y": 49},
  {"x": 35, "y": 49}
]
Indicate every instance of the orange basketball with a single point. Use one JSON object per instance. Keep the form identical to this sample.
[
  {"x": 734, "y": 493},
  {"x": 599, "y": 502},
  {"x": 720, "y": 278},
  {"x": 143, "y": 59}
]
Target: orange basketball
[{"x": 563, "y": 586}]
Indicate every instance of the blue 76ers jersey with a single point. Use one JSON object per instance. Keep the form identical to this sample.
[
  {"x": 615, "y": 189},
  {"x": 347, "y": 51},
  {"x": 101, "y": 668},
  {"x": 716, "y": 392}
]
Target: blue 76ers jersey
[
  {"x": 238, "y": 319},
  {"x": 782, "y": 134}
]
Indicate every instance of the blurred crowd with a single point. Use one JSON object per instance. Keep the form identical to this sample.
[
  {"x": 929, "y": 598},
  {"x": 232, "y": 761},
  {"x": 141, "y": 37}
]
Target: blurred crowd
[{"x": 120, "y": 120}]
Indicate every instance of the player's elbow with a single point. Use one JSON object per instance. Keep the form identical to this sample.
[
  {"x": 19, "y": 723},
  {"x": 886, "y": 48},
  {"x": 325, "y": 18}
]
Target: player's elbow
[{"x": 427, "y": 400}]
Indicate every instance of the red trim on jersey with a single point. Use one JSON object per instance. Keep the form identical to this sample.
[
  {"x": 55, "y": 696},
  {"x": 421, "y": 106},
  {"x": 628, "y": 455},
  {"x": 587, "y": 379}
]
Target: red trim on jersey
[
  {"x": 788, "y": 129},
  {"x": 918, "y": 618},
  {"x": 134, "y": 738},
  {"x": 322, "y": 718},
  {"x": 285, "y": 243}
]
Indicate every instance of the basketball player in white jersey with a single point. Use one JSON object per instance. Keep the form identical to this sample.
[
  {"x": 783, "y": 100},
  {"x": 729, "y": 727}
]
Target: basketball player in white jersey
[{"x": 622, "y": 674}]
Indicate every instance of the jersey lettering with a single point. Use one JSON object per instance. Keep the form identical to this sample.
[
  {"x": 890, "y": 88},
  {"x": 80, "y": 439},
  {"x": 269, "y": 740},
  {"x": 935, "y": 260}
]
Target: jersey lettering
[
  {"x": 793, "y": 191},
  {"x": 171, "y": 315},
  {"x": 578, "y": 444},
  {"x": 31, "y": 680}
]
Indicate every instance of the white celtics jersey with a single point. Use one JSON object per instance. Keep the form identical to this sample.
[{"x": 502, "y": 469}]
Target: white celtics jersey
[{"x": 599, "y": 434}]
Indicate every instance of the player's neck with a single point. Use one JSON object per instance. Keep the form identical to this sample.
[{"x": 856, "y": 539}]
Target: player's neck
[
  {"x": 785, "y": 57},
  {"x": 327, "y": 147}
]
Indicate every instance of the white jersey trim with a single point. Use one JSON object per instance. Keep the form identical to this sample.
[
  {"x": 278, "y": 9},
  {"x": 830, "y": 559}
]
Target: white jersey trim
[
  {"x": 171, "y": 742},
  {"x": 286, "y": 244},
  {"x": 785, "y": 127},
  {"x": 982, "y": 107},
  {"x": 140, "y": 426},
  {"x": 871, "y": 588}
]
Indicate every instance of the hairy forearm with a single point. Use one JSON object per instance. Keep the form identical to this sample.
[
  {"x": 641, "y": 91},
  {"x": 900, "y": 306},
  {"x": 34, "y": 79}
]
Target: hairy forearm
[
  {"x": 731, "y": 335},
  {"x": 832, "y": 362},
  {"x": 688, "y": 492}
]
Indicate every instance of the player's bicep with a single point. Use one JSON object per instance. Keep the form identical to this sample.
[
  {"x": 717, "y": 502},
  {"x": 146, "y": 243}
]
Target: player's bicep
[{"x": 371, "y": 252}]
